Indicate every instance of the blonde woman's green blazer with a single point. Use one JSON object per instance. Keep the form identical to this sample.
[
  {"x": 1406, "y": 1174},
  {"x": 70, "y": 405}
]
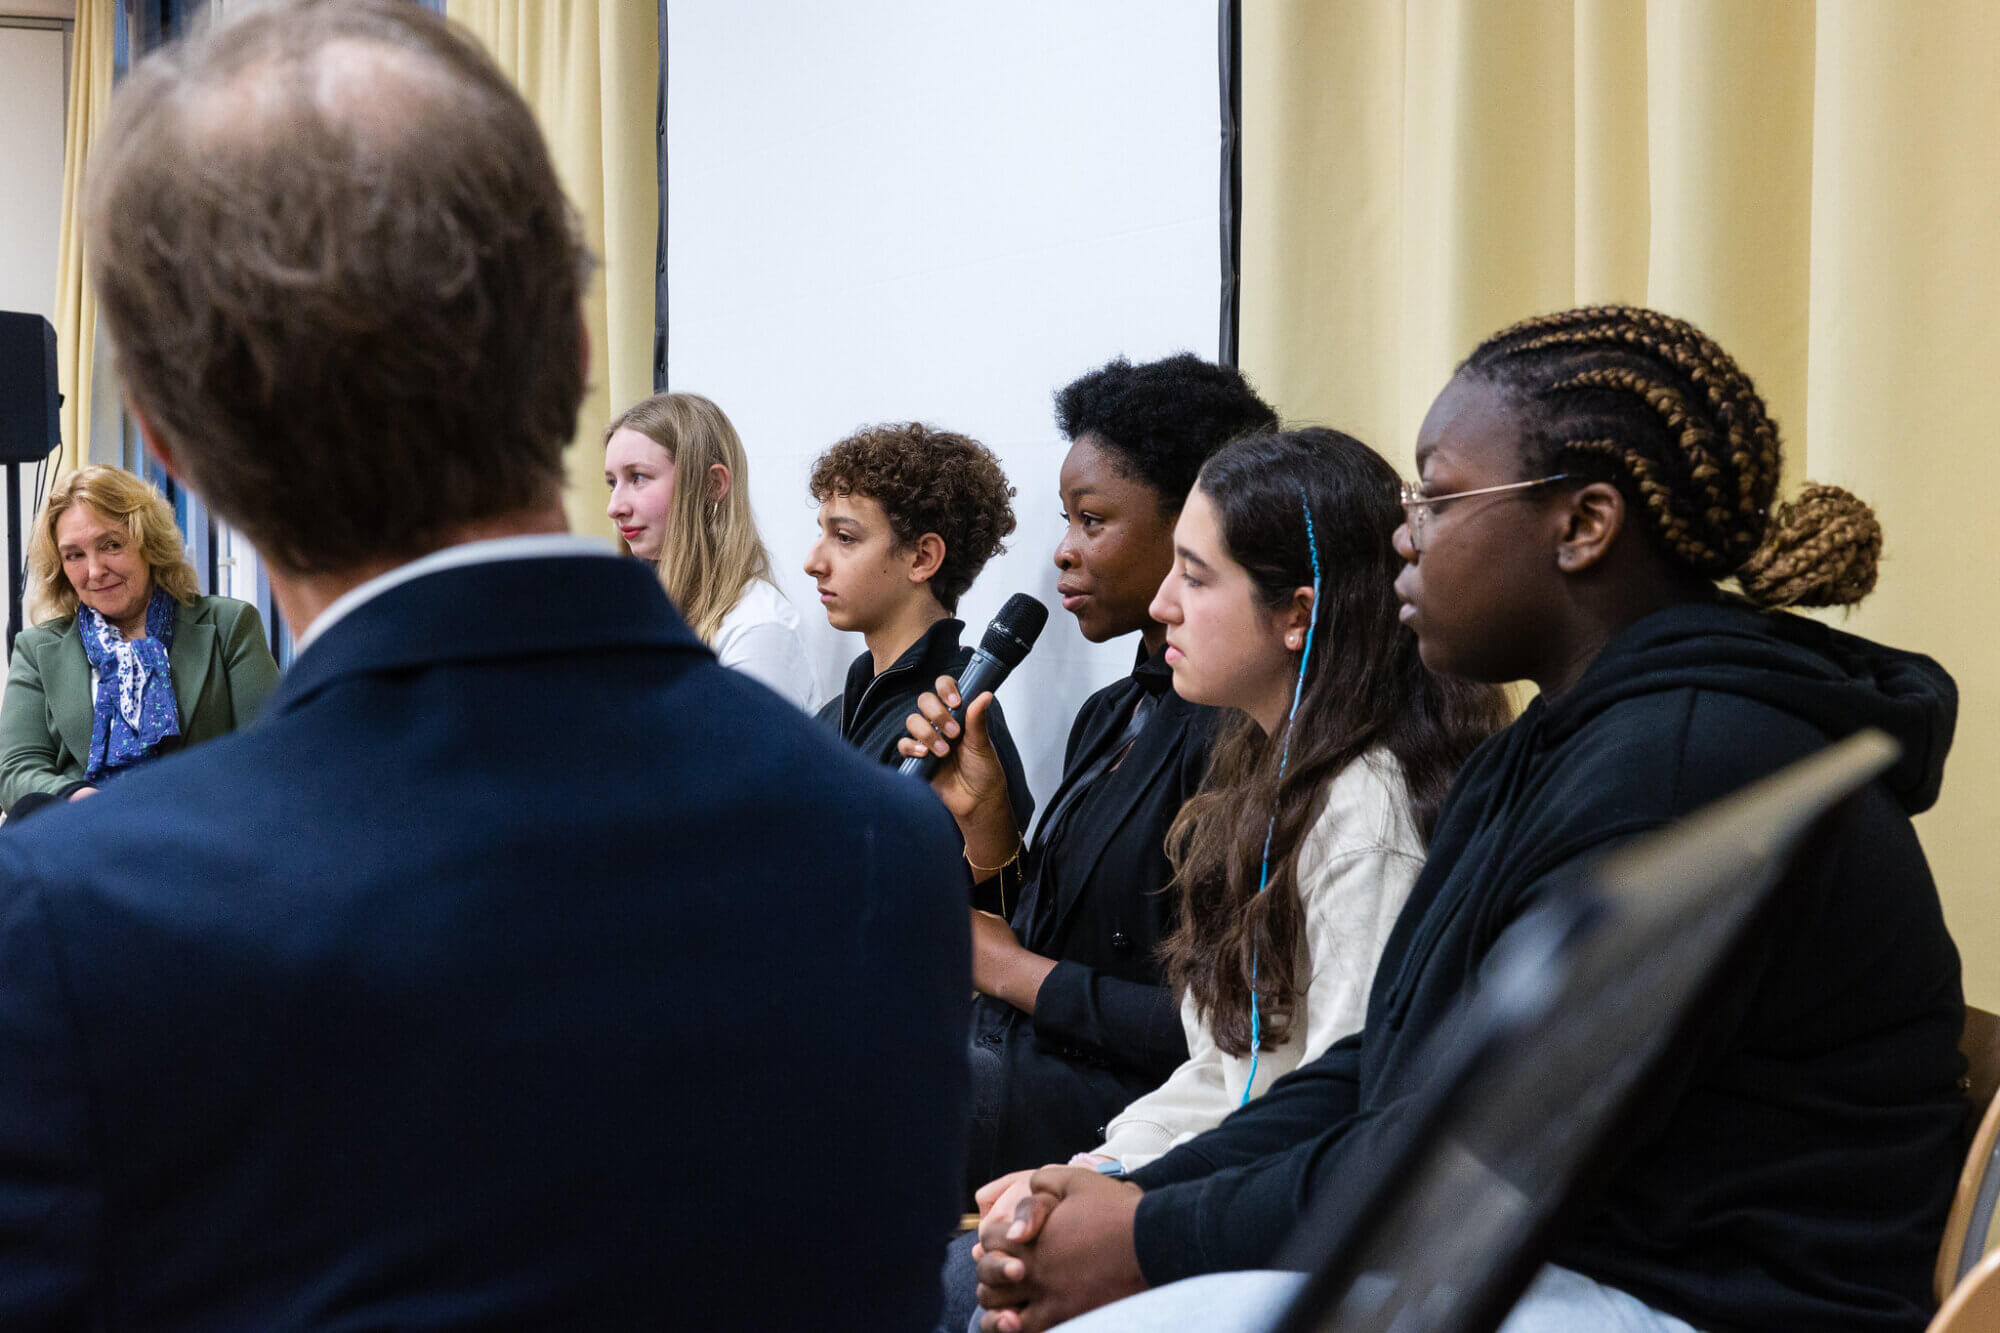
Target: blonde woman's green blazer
[{"x": 222, "y": 669}]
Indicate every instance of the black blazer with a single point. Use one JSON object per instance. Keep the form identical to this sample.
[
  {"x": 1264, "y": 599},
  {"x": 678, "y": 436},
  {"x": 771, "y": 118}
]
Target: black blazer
[
  {"x": 522, "y": 968},
  {"x": 872, "y": 713},
  {"x": 1106, "y": 1028}
]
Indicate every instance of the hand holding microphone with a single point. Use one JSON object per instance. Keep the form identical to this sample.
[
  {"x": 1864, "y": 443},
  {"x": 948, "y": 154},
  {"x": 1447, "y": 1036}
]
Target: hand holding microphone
[
  {"x": 969, "y": 779},
  {"x": 948, "y": 743},
  {"x": 957, "y": 756}
]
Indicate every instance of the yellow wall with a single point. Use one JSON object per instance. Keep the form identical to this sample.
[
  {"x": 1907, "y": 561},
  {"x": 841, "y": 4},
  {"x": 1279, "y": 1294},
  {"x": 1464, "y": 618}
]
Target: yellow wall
[
  {"x": 1816, "y": 184},
  {"x": 1903, "y": 402},
  {"x": 591, "y": 72},
  {"x": 75, "y": 302}
]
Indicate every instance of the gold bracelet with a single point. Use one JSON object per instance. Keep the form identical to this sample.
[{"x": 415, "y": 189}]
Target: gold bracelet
[{"x": 985, "y": 872}]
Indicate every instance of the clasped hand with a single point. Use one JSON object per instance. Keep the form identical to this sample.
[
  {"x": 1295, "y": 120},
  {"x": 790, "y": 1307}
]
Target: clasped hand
[{"x": 1064, "y": 1247}]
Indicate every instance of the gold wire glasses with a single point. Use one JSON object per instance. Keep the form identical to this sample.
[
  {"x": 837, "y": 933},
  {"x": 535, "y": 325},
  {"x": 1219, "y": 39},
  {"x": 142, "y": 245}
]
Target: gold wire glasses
[{"x": 1417, "y": 505}]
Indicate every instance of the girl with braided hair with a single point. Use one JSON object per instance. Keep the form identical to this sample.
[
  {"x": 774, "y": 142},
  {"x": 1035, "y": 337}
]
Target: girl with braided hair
[
  {"x": 1653, "y": 406},
  {"x": 1589, "y": 479}
]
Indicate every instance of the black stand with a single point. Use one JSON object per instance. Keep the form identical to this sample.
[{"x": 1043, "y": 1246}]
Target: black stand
[
  {"x": 30, "y": 428},
  {"x": 13, "y": 555},
  {"x": 17, "y": 574}
]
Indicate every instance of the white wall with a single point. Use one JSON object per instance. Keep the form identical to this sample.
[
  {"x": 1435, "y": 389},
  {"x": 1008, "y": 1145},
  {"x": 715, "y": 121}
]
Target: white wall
[
  {"x": 893, "y": 209},
  {"x": 32, "y": 64},
  {"x": 31, "y": 154}
]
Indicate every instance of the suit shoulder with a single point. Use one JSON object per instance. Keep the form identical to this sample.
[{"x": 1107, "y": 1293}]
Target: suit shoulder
[
  {"x": 879, "y": 793},
  {"x": 883, "y": 787},
  {"x": 807, "y": 761}
]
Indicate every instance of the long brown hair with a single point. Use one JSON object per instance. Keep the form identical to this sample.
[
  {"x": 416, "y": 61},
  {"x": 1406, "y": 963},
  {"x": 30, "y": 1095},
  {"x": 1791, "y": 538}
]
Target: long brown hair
[{"x": 1365, "y": 688}]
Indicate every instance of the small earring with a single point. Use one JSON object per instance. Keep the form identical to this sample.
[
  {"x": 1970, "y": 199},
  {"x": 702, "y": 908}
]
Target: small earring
[{"x": 1293, "y": 640}]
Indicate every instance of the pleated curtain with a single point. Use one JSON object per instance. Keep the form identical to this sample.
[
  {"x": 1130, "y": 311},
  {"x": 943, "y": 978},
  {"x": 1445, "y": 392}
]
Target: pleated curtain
[
  {"x": 1816, "y": 184},
  {"x": 76, "y": 303},
  {"x": 591, "y": 73}
]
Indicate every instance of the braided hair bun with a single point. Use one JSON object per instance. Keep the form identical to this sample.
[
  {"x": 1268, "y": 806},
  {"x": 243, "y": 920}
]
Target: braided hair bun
[
  {"x": 1821, "y": 550},
  {"x": 1652, "y": 405}
]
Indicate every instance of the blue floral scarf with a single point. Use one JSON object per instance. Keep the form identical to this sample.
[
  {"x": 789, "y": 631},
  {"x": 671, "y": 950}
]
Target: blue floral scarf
[{"x": 135, "y": 706}]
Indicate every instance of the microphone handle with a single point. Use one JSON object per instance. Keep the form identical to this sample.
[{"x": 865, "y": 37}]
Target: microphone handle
[{"x": 984, "y": 672}]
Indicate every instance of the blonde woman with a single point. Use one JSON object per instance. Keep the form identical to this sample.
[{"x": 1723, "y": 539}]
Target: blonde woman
[
  {"x": 680, "y": 495},
  {"x": 129, "y": 662}
]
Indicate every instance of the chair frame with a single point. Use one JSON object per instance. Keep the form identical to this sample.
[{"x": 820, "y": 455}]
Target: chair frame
[
  {"x": 1969, "y": 1224},
  {"x": 1975, "y": 1305}
]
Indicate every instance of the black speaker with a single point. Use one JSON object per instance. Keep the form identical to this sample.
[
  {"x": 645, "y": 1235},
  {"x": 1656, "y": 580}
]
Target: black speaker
[{"x": 29, "y": 424}]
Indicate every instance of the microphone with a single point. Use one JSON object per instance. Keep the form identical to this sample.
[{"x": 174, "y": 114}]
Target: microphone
[{"x": 1007, "y": 640}]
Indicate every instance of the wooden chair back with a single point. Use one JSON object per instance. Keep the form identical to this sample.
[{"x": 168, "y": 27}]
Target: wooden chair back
[
  {"x": 1975, "y": 1306},
  {"x": 1968, "y": 1229}
]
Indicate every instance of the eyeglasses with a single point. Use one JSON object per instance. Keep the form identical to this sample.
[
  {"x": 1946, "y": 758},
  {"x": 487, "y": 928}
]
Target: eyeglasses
[{"x": 1417, "y": 505}]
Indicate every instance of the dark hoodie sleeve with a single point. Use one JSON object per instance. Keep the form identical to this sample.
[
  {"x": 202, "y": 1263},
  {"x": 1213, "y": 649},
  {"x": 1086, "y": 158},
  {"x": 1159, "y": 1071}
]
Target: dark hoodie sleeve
[
  {"x": 1317, "y": 1094},
  {"x": 1228, "y": 1199}
]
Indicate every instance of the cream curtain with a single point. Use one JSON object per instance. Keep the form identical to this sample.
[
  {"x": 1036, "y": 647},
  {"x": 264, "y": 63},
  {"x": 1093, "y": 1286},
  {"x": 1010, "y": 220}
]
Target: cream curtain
[
  {"x": 76, "y": 304},
  {"x": 1816, "y": 184},
  {"x": 591, "y": 73}
]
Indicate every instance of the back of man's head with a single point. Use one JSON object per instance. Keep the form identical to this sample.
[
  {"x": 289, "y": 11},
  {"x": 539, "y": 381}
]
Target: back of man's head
[{"x": 341, "y": 278}]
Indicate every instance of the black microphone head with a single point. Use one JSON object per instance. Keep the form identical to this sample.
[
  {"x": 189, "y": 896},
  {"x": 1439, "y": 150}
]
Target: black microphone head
[{"x": 1014, "y": 631}]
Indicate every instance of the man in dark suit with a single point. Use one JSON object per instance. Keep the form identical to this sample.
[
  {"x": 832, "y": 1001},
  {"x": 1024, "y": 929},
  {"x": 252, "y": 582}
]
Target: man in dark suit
[{"x": 522, "y": 968}]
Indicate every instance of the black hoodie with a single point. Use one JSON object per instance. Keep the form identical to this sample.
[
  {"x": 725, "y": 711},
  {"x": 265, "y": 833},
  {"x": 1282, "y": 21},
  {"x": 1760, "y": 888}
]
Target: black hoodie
[{"x": 1795, "y": 1168}]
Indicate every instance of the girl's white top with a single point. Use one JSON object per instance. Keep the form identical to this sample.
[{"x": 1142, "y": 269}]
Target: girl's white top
[
  {"x": 1356, "y": 866},
  {"x": 760, "y": 638}
]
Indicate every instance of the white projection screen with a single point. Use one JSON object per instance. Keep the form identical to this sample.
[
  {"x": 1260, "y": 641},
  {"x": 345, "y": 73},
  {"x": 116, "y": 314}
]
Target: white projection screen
[
  {"x": 31, "y": 146},
  {"x": 892, "y": 210}
]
